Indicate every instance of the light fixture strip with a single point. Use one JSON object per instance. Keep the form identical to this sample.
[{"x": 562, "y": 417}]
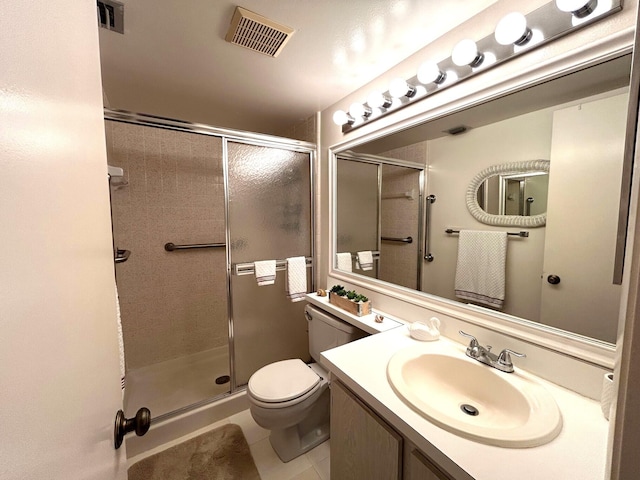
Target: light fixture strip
[{"x": 547, "y": 22}]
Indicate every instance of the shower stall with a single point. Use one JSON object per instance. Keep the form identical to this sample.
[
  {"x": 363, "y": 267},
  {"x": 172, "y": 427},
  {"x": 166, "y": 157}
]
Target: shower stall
[{"x": 196, "y": 206}]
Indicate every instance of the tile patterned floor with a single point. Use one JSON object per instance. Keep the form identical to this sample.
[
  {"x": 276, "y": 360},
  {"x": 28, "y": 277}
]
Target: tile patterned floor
[{"x": 313, "y": 465}]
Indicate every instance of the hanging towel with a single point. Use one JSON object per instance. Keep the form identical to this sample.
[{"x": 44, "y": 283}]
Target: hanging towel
[
  {"x": 296, "y": 278},
  {"x": 344, "y": 261},
  {"x": 120, "y": 343},
  {"x": 480, "y": 270},
  {"x": 365, "y": 260},
  {"x": 265, "y": 272}
]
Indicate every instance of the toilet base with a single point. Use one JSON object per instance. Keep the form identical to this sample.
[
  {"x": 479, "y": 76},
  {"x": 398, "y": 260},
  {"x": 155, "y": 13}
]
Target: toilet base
[{"x": 291, "y": 442}]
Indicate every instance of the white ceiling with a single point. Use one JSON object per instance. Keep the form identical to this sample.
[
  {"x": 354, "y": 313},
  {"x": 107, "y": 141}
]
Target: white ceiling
[{"x": 173, "y": 60}]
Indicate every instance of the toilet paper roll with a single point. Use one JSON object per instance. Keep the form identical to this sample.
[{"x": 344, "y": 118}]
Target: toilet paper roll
[{"x": 607, "y": 394}]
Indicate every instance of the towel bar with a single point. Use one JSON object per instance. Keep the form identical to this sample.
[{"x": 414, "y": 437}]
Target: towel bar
[
  {"x": 522, "y": 233},
  {"x": 247, "y": 268}
]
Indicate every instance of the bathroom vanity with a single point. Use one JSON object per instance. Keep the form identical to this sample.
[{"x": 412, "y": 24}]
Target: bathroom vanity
[{"x": 375, "y": 434}]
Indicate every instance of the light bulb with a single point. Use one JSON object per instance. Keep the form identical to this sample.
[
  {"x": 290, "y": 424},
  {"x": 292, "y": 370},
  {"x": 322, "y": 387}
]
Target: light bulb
[
  {"x": 513, "y": 29},
  {"x": 429, "y": 72},
  {"x": 399, "y": 88},
  {"x": 359, "y": 110},
  {"x": 579, "y": 8},
  {"x": 378, "y": 100},
  {"x": 466, "y": 53},
  {"x": 340, "y": 118}
]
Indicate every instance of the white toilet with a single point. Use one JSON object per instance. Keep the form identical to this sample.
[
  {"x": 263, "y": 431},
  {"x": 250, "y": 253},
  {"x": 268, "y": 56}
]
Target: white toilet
[{"x": 291, "y": 398}]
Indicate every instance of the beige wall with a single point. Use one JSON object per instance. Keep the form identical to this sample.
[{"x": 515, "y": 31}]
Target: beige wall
[
  {"x": 172, "y": 303},
  {"x": 305, "y": 130}
]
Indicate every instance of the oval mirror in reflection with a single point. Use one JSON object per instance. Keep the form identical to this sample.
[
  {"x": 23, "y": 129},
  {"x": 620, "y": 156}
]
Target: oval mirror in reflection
[{"x": 522, "y": 193}]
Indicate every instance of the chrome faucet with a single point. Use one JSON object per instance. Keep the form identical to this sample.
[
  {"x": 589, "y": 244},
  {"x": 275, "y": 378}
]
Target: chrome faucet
[{"x": 484, "y": 355}]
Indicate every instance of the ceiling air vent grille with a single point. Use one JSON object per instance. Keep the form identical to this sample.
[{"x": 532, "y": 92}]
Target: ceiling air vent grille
[
  {"x": 111, "y": 15},
  {"x": 257, "y": 33}
]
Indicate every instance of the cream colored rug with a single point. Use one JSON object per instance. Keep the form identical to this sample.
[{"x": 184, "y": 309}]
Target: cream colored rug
[{"x": 221, "y": 454}]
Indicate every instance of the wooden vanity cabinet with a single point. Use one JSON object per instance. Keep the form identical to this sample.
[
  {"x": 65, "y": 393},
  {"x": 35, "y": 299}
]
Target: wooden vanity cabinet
[{"x": 365, "y": 447}]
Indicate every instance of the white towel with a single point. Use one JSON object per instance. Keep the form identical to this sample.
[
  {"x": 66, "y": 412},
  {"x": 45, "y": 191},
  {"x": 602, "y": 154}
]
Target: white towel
[
  {"x": 296, "y": 278},
  {"x": 365, "y": 260},
  {"x": 344, "y": 261},
  {"x": 265, "y": 272},
  {"x": 120, "y": 343},
  {"x": 480, "y": 270}
]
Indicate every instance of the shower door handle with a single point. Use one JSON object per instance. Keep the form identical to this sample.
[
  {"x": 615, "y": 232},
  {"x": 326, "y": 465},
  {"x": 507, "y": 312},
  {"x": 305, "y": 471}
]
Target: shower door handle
[{"x": 140, "y": 423}]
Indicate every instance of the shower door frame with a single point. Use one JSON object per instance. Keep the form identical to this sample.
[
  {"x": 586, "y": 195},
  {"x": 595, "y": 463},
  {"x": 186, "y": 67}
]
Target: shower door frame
[{"x": 237, "y": 136}]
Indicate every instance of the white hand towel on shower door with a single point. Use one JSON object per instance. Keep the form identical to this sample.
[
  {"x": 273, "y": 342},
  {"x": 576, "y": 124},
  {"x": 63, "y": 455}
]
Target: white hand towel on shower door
[
  {"x": 344, "y": 261},
  {"x": 365, "y": 260},
  {"x": 480, "y": 270},
  {"x": 296, "y": 278},
  {"x": 265, "y": 272}
]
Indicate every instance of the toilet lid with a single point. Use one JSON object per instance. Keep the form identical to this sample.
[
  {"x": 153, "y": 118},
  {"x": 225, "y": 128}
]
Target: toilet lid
[{"x": 282, "y": 381}]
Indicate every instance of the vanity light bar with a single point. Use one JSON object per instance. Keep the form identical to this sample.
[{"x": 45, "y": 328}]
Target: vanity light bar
[{"x": 515, "y": 34}]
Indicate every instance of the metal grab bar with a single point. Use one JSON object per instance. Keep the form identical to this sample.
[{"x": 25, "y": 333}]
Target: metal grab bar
[
  {"x": 522, "y": 233},
  {"x": 427, "y": 254},
  {"x": 394, "y": 239},
  {"x": 248, "y": 268},
  {"x": 170, "y": 247},
  {"x": 122, "y": 256}
]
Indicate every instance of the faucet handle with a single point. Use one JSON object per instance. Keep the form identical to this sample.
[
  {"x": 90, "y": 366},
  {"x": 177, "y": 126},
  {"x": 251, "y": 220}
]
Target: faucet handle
[
  {"x": 474, "y": 341},
  {"x": 504, "y": 358}
]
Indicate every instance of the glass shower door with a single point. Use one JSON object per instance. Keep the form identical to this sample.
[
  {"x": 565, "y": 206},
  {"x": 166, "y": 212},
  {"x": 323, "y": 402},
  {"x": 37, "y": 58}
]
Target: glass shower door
[{"x": 269, "y": 218}]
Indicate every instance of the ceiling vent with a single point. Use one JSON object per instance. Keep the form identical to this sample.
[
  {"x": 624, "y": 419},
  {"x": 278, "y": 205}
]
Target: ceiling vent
[
  {"x": 111, "y": 15},
  {"x": 257, "y": 33}
]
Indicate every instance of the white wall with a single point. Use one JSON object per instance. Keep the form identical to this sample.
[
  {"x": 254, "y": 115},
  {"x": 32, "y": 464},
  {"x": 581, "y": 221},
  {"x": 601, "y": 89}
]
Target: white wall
[
  {"x": 59, "y": 351},
  {"x": 452, "y": 162}
]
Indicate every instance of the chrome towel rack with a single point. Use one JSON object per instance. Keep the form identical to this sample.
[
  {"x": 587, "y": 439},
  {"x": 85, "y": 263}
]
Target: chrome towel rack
[
  {"x": 170, "y": 247},
  {"x": 394, "y": 239},
  {"x": 522, "y": 233},
  {"x": 374, "y": 253},
  {"x": 248, "y": 268},
  {"x": 427, "y": 213}
]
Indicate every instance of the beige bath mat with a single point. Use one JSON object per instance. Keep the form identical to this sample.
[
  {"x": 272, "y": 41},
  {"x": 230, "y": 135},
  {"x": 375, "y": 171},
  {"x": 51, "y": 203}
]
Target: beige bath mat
[{"x": 221, "y": 454}]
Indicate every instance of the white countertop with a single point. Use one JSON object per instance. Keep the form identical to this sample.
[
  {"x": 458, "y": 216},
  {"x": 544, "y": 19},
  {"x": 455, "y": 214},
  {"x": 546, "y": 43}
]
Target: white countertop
[
  {"x": 365, "y": 322},
  {"x": 579, "y": 451}
]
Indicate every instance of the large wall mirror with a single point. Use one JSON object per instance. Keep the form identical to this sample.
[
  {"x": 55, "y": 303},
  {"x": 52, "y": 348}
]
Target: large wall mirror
[{"x": 564, "y": 139}]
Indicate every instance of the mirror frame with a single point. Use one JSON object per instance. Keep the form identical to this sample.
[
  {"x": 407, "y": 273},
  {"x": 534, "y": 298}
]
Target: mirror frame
[
  {"x": 467, "y": 95},
  {"x": 512, "y": 168}
]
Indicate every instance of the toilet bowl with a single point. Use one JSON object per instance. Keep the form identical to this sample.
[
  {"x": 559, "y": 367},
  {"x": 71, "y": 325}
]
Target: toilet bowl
[{"x": 291, "y": 398}]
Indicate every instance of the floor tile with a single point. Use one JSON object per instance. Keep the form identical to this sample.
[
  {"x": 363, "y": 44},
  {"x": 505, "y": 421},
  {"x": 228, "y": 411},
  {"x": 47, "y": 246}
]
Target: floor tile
[
  {"x": 319, "y": 453},
  {"x": 309, "y": 474},
  {"x": 271, "y": 467},
  {"x": 252, "y": 431},
  {"x": 324, "y": 468}
]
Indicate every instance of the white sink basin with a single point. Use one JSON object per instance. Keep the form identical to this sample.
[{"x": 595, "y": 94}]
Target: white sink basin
[{"x": 474, "y": 400}]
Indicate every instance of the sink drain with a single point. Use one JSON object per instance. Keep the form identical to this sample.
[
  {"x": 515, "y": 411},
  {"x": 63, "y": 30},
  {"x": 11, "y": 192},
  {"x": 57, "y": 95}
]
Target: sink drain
[{"x": 469, "y": 409}]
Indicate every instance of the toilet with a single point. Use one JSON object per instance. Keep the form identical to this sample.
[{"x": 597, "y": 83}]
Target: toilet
[{"x": 291, "y": 398}]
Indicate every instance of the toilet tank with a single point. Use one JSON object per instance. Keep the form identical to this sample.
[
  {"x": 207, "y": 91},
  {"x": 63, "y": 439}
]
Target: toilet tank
[{"x": 327, "y": 331}]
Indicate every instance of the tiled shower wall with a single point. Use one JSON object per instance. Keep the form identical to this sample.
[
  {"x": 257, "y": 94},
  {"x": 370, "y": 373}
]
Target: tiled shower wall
[
  {"x": 173, "y": 304},
  {"x": 400, "y": 217}
]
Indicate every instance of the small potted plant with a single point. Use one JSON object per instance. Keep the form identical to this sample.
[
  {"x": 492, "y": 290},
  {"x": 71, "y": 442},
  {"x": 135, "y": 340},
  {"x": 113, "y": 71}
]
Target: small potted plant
[{"x": 350, "y": 300}]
